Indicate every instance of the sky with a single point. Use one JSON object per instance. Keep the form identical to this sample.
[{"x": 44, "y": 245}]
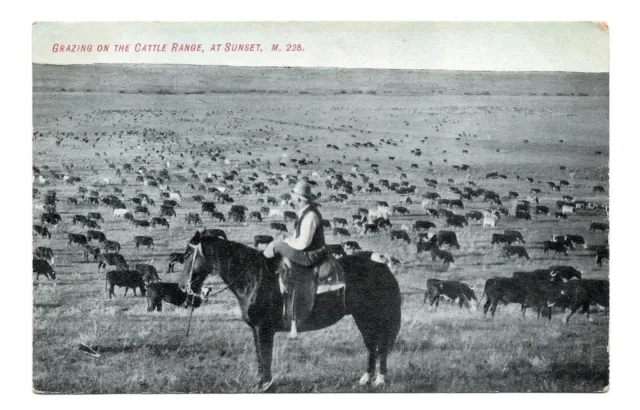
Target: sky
[{"x": 484, "y": 46}]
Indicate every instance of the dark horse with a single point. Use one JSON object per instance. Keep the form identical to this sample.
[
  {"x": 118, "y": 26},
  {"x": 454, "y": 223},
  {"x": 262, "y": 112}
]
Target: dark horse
[{"x": 372, "y": 297}]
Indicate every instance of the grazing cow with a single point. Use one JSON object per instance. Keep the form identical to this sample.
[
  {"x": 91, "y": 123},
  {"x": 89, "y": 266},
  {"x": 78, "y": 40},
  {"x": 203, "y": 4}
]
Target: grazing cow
[
  {"x": 419, "y": 225},
  {"x": 159, "y": 221},
  {"x": 262, "y": 240},
  {"x": 235, "y": 216},
  {"x": 42, "y": 231},
  {"x": 127, "y": 279},
  {"x": 255, "y": 215},
  {"x": 601, "y": 254},
  {"x": 79, "y": 218},
  {"x": 141, "y": 210},
  {"x": 96, "y": 216},
  {"x": 599, "y": 226},
  {"x": 76, "y": 238},
  {"x": 489, "y": 221},
  {"x": 336, "y": 250},
  {"x": 501, "y": 238},
  {"x": 173, "y": 258},
  {"x": 521, "y": 214},
  {"x": 401, "y": 210},
  {"x": 141, "y": 223},
  {"x": 280, "y": 227},
  {"x": 447, "y": 237},
  {"x": 290, "y": 216},
  {"x": 457, "y": 220},
  {"x": 121, "y": 212},
  {"x": 599, "y": 189},
  {"x": 91, "y": 224},
  {"x": 575, "y": 240},
  {"x": 474, "y": 215},
  {"x": 567, "y": 210},
  {"x": 219, "y": 216},
  {"x": 519, "y": 251},
  {"x": 560, "y": 215},
  {"x": 450, "y": 289},
  {"x": 400, "y": 234},
  {"x": 91, "y": 250},
  {"x": 456, "y": 203},
  {"x": 144, "y": 241},
  {"x": 42, "y": 267},
  {"x": 209, "y": 207},
  {"x": 44, "y": 253},
  {"x": 111, "y": 246},
  {"x": 446, "y": 257},
  {"x": 166, "y": 210},
  {"x": 582, "y": 294},
  {"x": 148, "y": 272},
  {"x": 557, "y": 247},
  {"x": 541, "y": 209},
  {"x": 341, "y": 232},
  {"x": 352, "y": 246},
  {"x": 193, "y": 217},
  {"x": 427, "y": 246},
  {"x": 111, "y": 259},
  {"x": 340, "y": 221},
  {"x": 505, "y": 290},
  {"x": 167, "y": 292},
  {"x": 373, "y": 228}
]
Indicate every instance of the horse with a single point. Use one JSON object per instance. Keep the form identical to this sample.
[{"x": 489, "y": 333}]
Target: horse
[{"x": 371, "y": 295}]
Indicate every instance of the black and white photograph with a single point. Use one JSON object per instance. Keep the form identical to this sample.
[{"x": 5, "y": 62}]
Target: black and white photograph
[{"x": 320, "y": 207}]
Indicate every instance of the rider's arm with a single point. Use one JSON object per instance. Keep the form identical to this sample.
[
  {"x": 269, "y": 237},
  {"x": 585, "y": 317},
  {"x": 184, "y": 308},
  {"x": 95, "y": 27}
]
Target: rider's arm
[{"x": 307, "y": 229}]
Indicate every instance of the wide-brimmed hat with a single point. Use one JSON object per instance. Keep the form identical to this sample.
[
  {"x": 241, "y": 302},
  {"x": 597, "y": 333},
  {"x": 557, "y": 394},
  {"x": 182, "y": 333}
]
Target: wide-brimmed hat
[{"x": 303, "y": 190}]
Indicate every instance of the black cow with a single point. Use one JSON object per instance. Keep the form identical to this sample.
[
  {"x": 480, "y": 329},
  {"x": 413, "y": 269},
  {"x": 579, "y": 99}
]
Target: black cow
[
  {"x": 141, "y": 210},
  {"x": 112, "y": 246},
  {"x": 42, "y": 231},
  {"x": 560, "y": 215},
  {"x": 340, "y": 221},
  {"x": 336, "y": 250},
  {"x": 144, "y": 241},
  {"x": 446, "y": 257},
  {"x": 111, "y": 259},
  {"x": 352, "y": 246},
  {"x": 433, "y": 212},
  {"x": 457, "y": 220},
  {"x": 76, "y": 238},
  {"x": 262, "y": 240},
  {"x": 159, "y": 221},
  {"x": 148, "y": 272},
  {"x": 373, "y": 228},
  {"x": 575, "y": 240},
  {"x": 97, "y": 235},
  {"x": 451, "y": 289},
  {"x": 208, "y": 207},
  {"x": 219, "y": 216},
  {"x": 558, "y": 273},
  {"x": 501, "y": 238},
  {"x": 557, "y": 247},
  {"x": 401, "y": 210},
  {"x": 80, "y": 218},
  {"x": 475, "y": 215},
  {"x": 255, "y": 215},
  {"x": 170, "y": 293},
  {"x": 427, "y": 246},
  {"x": 235, "y": 216},
  {"x": 341, "y": 232},
  {"x": 419, "y": 225},
  {"x": 541, "y": 209},
  {"x": 173, "y": 258},
  {"x": 91, "y": 250},
  {"x": 582, "y": 294},
  {"x": 89, "y": 223},
  {"x": 515, "y": 236},
  {"x": 166, "y": 210},
  {"x": 193, "y": 217},
  {"x": 141, "y": 223},
  {"x": 95, "y": 216},
  {"x": 447, "y": 237},
  {"x": 601, "y": 254},
  {"x": 457, "y": 203},
  {"x": 505, "y": 290},
  {"x": 44, "y": 253},
  {"x": 382, "y": 223},
  {"x": 599, "y": 226},
  {"x": 51, "y": 218},
  {"x": 127, "y": 278},
  {"x": 521, "y": 214},
  {"x": 277, "y": 226},
  {"x": 519, "y": 251},
  {"x": 42, "y": 267},
  {"x": 400, "y": 234}
]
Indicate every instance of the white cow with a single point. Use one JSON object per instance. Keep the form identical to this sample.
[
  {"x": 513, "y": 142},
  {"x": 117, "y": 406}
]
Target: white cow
[
  {"x": 276, "y": 213},
  {"x": 175, "y": 196},
  {"x": 119, "y": 212},
  {"x": 315, "y": 174},
  {"x": 489, "y": 221},
  {"x": 107, "y": 181},
  {"x": 566, "y": 209},
  {"x": 376, "y": 213},
  {"x": 41, "y": 180}
]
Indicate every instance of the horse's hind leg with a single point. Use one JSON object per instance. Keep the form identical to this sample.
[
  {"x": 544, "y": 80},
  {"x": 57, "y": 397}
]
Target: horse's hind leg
[{"x": 370, "y": 342}]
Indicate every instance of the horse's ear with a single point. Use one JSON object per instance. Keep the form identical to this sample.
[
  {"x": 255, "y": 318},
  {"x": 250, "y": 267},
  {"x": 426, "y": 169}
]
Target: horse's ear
[{"x": 197, "y": 238}]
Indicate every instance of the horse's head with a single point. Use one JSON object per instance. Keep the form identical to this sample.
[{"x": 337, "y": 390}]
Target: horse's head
[{"x": 198, "y": 264}]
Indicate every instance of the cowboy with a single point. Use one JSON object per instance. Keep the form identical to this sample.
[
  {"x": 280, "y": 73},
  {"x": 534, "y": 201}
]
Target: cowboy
[{"x": 305, "y": 248}]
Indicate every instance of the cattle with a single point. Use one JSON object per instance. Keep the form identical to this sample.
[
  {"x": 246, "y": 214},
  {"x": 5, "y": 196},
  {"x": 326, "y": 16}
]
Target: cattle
[
  {"x": 91, "y": 250},
  {"x": 111, "y": 246},
  {"x": 219, "y": 216},
  {"x": 340, "y": 221},
  {"x": 148, "y": 272},
  {"x": 552, "y": 274},
  {"x": 127, "y": 279},
  {"x": 489, "y": 221},
  {"x": 42, "y": 267},
  {"x": 79, "y": 218},
  {"x": 447, "y": 237},
  {"x": 456, "y": 220},
  {"x": 541, "y": 209},
  {"x": 450, "y": 289},
  {"x": 193, "y": 217},
  {"x": 521, "y": 214},
  {"x": 427, "y": 246},
  {"x": 262, "y": 240},
  {"x": 97, "y": 235},
  {"x": 582, "y": 294},
  {"x": 278, "y": 213},
  {"x": 352, "y": 246},
  {"x": 401, "y": 210},
  {"x": 51, "y": 218},
  {"x": 44, "y": 253},
  {"x": 144, "y": 241},
  {"x": 601, "y": 254},
  {"x": 599, "y": 226},
  {"x": 474, "y": 215},
  {"x": 598, "y": 189},
  {"x": 325, "y": 224},
  {"x": 173, "y": 258},
  {"x": 560, "y": 215},
  {"x": 516, "y": 236},
  {"x": 235, "y": 216},
  {"x": 568, "y": 210},
  {"x": 77, "y": 238},
  {"x": 166, "y": 210},
  {"x": 557, "y": 247},
  {"x": 255, "y": 215},
  {"x": 290, "y": 216},
  {"x": 373, "y": 228},
  {"x": 208, "y": 207},
  {"x": 341, "y": 232},
  {"x": 141, "y": 210},
  {"x": 169, "y": 202},
  {"x": 42, "y": 231},
  {"x": 111, "y": 259},
  {"x": 336, "y": 250},
  {"x": 420, "y": 225},
  {"x": 170, "y": 293},
  {"x": 400, "y": 234},
  {"x": 501, "y": 238},
  {"x": 91, "y": 224},
  {"x": 456, "y": 203},
  {"x": 573, "y": 240},
  {"x": 141, "y": 223},
  {"x": 505, "y": 290},
  {"x": 519, "y": 251},
  {"x": 95, "y": 216},
  {"x": 280, "y": 227},
  {"x": 159, "y": 221},
  {"x": 444, "y": 256}
]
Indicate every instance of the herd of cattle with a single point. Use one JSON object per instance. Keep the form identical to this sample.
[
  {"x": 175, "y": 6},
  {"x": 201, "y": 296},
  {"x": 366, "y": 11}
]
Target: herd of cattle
[{"x": 558, "y": 286}]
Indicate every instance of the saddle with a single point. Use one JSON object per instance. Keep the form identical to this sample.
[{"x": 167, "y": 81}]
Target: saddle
[{"x": 300, "y": 284}]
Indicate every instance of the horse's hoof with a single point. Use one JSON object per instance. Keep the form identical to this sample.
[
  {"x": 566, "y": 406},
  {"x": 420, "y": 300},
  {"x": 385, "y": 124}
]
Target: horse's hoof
[
  {"x": 379, "y": 381},
  {"x": 364, "y": 379},
  {"x": 264, "y": 386}
]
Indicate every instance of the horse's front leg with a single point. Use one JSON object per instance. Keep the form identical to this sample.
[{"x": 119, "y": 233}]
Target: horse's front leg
[{"x": 263, "y": 337}]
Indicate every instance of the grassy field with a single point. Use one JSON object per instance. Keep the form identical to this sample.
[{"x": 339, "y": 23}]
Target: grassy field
[{"x": 260, "y": 114}]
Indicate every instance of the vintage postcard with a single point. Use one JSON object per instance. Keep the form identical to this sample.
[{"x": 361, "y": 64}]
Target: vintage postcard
[{"x": 320, "y": 207}]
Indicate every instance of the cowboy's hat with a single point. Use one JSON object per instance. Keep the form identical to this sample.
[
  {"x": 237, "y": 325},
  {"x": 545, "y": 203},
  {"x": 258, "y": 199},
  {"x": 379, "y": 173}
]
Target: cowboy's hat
[{"x": 303, "y": 190}]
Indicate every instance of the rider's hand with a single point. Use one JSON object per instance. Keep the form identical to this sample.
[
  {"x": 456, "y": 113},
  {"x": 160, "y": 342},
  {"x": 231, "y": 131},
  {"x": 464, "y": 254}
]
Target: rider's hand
[{"x": 269, "y": 251}]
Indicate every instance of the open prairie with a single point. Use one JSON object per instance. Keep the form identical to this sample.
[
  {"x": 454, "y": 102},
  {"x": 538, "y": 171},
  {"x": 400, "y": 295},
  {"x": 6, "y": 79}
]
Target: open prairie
[{"x": 89, "y": 121}]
